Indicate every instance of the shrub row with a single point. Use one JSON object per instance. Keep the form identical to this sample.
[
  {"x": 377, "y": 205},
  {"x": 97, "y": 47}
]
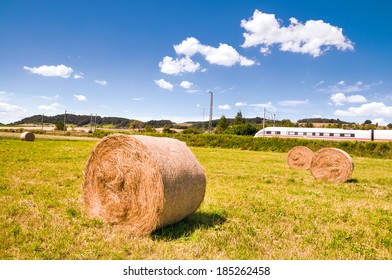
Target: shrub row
[{"x": 275, "y": 144}]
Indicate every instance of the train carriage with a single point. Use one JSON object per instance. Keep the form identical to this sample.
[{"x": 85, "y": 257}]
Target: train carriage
[{"x": 326, "y": 133}]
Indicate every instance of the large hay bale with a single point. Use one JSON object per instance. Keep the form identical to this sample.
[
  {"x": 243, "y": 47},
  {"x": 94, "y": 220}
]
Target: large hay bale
[
  {"x": 332, "y": 164},
  {"x": 142, "y": 182},
  {"x": 300, "y": 158},
  {"x": 27, "y": 136}
]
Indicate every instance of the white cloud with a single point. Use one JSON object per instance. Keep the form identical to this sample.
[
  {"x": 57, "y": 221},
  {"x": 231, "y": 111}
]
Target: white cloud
[
  {"x": 224, "y": 55},
  {"x": 48, "y": 97},
  {"x": 186, "y": 84},
  {"x": 101, "y": 82},
  {"x": 264, "y": 105},
  {"x": 380, "y": 121},
  {"x": 376, "y": 109},
  {"x": 10, "y": 113},
  {"x": 51, "y": 71},
  {"x": 51, "y": 107},
  {"x": 7, "y": 108},
  {"x": 293, "y": 103},
  {"x": 78, "y": 76},
  {"x": 224, "y": 107},
  {"x": 4, "y": 96},
  {"x": 340, "y": 98},
  {"x": 313, "y": 38},
  {"x": 240, "y": 104},
  {"x": 359, "y": 86},
  {"x": 80, "y": 97},
  {"x": 177, "y": 66},
  {"x": 138, "y": 98},
  {"x": 164, "y": 84}
]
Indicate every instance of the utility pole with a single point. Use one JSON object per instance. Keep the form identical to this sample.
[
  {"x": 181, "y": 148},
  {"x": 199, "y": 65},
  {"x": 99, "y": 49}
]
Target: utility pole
[
  {"x": 91, "y": 122},
  {"x": 65, "y": 119},
  {"x": 264, "y": 121},
  {"x": 95, "y": 122},
  {"x": 211, "y": 105}
]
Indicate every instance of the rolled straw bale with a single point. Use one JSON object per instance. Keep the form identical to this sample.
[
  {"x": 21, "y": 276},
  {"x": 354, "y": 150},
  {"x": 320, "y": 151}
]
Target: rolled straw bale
[
  {"x": 27, "y": 136},
  {"x": 142, "y": 182},
  {"x": 332, "y": 164},
  {"x": 300, "y": 158}
]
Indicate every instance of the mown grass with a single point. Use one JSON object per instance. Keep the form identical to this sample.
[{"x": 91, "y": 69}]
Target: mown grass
[{"x": 254, "y": 208}]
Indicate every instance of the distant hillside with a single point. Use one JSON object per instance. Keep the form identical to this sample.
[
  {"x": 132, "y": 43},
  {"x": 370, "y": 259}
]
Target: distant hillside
[
  {"x": 82, "y": 120},
  {"x": 322, "y": 120},
  {"x": 78, "y": 120}
]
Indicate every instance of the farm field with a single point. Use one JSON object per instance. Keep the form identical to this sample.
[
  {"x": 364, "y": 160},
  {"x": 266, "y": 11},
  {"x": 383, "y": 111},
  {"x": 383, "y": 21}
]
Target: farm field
[{"x": 254, "y": 208}]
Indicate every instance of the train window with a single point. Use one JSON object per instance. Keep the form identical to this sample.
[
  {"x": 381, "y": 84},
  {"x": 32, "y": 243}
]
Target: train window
[
  {"x": 268, "y": 132},
  {"x": 321, "y": 134},
  {"x": 343, "y": 135},
  {"x": 278, "y": 132},
  {"x": 314, "y": 133},
  {"x": 331, "y": 134},
  {"x": 352, "y": 135}
]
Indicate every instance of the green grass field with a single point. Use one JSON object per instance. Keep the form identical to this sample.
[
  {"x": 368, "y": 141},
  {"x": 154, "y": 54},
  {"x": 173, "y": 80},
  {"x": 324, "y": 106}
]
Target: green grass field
[{"x": 254, "y": 208}]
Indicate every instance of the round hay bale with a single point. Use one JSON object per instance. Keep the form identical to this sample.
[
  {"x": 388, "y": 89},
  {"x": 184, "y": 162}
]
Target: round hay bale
[
  {"x": 27, "y": 136},
  {"x": 300, "y": 158},
  {"x": 332, "y": 164},
  {"x": 142, "y": 182}
]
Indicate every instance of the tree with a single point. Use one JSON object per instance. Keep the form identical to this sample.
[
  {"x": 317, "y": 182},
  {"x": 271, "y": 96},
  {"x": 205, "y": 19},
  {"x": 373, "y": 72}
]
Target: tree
[
  {"x": 59, "y": 126},
  {"x": 222, "y": 125},
  {"x": 239, "y": 119},
  {"x": 368, "y": 122},
  {"x": 136, "y": 125}
]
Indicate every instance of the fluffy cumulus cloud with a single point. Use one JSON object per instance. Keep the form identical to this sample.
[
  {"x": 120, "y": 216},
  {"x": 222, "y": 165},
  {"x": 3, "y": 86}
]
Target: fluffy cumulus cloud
[
  {"x": 340, "y": 98},
  {"x": 79, "y": 97},
  {"x": 186, "y": 84},
  {"x": 177, "y": 66},
  {"x": 223, "y": 55},
  {"x": 313, "y": 37},
  {"x": 101, "y": 82},
  {"x": 375, "y": 109},
  {"x": 51, "y": 71},
  {"x": 164, "y": 84}
]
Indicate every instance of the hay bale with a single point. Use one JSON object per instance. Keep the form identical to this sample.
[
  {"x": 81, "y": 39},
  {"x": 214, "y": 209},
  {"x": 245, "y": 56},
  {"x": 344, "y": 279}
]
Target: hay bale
[
  {"x": 300, "y": 158},
  {"x": 332, "y": 164},
  {"x": 27, "y": 136},
  {"x": 142, "y": 182}
]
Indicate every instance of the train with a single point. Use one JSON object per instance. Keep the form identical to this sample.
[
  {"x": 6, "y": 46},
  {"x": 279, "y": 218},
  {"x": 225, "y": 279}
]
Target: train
[{"x": 335, "y": 134}]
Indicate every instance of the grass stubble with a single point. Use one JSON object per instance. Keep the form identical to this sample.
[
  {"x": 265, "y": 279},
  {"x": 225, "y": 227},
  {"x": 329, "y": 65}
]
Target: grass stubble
[{"x": 255, "y": 208}]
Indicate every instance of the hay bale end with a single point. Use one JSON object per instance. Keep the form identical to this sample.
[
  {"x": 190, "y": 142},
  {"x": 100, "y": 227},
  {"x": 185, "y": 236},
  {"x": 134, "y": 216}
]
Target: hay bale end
[
  {"x": 300, "y": 158},
  {"x": 27, "y": 136},
  {"x": 332, "y": 164}
]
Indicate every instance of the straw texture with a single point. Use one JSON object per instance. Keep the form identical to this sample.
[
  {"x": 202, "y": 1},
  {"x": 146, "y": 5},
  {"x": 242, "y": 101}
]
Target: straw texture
[
  {"x": 142, "y": 182},
  {"x": 300, "y": 158},
  {"x": 332, "y": 164}
]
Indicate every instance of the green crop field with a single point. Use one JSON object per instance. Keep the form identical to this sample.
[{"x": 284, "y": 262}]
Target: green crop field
[{"x": 254, "y": 208}]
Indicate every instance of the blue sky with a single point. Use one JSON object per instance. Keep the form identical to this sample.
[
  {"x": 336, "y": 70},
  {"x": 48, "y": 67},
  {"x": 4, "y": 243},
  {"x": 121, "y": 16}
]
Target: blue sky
[{"x": 159, "y": 59}]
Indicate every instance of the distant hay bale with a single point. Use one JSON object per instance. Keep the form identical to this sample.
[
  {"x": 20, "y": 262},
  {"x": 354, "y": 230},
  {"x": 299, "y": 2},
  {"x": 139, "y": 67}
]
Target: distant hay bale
[
  {"x": 300, "y": 158},
  {"x": 332, "y": 164},
  {"x": 27, "y": 136},
  {"x": 142, "y": 182}
]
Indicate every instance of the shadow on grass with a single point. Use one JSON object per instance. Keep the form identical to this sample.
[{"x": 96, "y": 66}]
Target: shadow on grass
[{"x": 187, "y": 226}]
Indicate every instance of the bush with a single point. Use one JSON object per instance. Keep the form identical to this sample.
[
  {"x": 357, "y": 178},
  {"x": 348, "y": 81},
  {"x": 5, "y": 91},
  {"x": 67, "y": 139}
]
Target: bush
[{"x": 241, "y": 129}]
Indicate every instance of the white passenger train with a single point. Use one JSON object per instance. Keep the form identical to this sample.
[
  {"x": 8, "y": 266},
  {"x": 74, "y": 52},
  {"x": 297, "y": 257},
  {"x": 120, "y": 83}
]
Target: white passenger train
[{"x": 326, "y": 133}]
